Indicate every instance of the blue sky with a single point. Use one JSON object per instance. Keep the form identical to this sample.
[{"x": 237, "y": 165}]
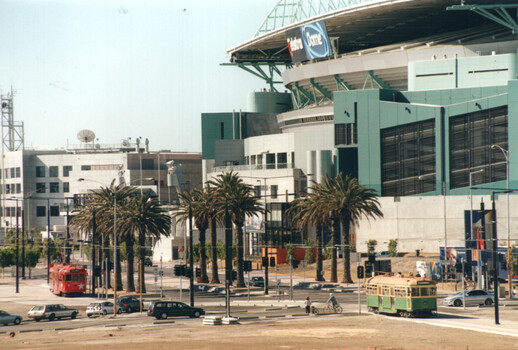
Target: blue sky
[{"x": 124, "y": 68}]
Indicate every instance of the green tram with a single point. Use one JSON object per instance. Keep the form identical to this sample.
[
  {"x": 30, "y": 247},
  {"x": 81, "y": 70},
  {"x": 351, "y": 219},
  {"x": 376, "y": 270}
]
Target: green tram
[{"x": 406, "y": 296}]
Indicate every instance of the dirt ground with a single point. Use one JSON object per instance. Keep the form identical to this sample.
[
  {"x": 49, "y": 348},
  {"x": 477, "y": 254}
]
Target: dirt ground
[{"x": 366, "y": 332}]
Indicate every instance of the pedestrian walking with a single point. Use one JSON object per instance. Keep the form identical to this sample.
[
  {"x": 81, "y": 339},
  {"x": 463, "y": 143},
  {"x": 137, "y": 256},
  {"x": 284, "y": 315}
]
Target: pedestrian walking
[{"x": 308, "y": 305}]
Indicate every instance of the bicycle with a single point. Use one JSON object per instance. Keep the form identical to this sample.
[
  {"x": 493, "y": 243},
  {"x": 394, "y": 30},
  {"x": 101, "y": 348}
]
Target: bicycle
[{"x": 336, "y": 308}]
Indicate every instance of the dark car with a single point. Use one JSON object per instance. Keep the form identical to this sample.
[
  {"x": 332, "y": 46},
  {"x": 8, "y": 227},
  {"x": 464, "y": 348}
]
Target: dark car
[
  {"x": 6, "y": 318},
  {"x": 148, "y": 262},
  {"x": 164, "y": 309},
  {"x": 256, "y": 281},
  {"x": 128, "y": 304}
]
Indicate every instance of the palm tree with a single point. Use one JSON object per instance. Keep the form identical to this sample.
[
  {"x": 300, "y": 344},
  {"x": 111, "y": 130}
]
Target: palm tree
[
  {"x": 144, "y": 216},
  {"x": 214, "y": 218},
  {"x": 233, "y": 195},
  {"x": 348, "y": 201},
  {"x": 102, "y": 200},
  {"x": 305, "y": 215},
  {"x": 199, "y": 203}
]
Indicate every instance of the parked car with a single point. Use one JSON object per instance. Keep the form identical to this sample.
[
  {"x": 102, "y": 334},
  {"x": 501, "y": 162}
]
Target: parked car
[
  {"x": 256, "y": 281},
  {"x": 164, "y": 309},
  {"x": 471, "y": 297},
  {"x": 51, "y": 312},
  {"x": 6, "y": 318},
  {"x": 100, "y": 308},
  {"x": 383, "y": 254},
  {"x": 128, "y": 304},
  {"x": 148, "y": 262}
]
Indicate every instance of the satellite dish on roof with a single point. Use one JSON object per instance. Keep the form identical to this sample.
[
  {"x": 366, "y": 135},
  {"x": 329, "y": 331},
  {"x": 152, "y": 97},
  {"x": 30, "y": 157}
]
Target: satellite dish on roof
[{"x": 86, "y": 135}]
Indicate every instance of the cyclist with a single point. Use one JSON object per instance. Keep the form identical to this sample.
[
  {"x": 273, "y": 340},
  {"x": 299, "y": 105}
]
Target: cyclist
[{"x": 332, "y": 301}]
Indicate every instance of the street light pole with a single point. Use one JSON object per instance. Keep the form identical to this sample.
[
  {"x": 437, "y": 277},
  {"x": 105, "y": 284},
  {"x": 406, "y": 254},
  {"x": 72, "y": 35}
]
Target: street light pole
[
  {"x": 48, "y": 240},
  {"x": 115, "y": 276},
  {"x": 509, "y": 276},
  {"x": 17, "y": 259}
]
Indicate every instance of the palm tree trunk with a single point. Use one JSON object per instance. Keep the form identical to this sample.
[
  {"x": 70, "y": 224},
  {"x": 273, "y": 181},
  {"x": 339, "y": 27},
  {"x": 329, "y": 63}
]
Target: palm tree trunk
[
  {"x": 203, "y": 258},
  {"x": 119, "y": 270},
  {"x": 319, "y": 276},
  {"x": 214, "y": 242},
  {"x": 240, "y": 241},
  {"x": 142, "y": 253},
  {"x": 346, "y": 223},
  {"x": 130, "y": 258},
  {"x": 334, "y": 260}
]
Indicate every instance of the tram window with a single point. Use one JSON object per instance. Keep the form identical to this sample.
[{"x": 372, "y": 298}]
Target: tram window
[
  {"x": 433, "y": 291},
  {"x": 82, "y": 277},
  {"x": 415, "y": 292},
  {"x": 372, "y": 289},
  {"x": 400, "y": 292},
  {"x": 68, "y": 278},
  {"x": 385, "y": 290},
  {"x": 425, "y": 292},
  {"x": 75, "y": 277}
]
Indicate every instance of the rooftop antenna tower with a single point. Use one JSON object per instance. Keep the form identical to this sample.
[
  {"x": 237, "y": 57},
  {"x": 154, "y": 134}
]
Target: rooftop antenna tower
[{"x": 12, "y": 132}]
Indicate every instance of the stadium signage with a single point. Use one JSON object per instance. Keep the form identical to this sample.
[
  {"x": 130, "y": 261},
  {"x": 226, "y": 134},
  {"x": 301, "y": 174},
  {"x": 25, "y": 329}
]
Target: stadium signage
[{"x": 308, "y": 42}]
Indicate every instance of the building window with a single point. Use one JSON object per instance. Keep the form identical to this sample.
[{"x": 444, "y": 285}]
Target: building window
[
  {"x": 13, "y": 188},
  {"x": 13, "y": 173},
  {"x": 66, "y": 187},
  {"x": 282, "y": 160},
  {"x": 408, "y": 159},
  {"x": 53, "y": 171},
  {"x": 18, "y": 188},
  {"x": 54, "y": 210},
  {"x": 270, "y": 160},
  {"x": 257, "y": 190},
  {"x": 40, "y": 171},
  {"x": 273, "y": 190},
  {"x": 18, "y": 172},
  {"x": 54, "y": 187},
  {"x": 471, "y": 138},
  {"x": 66, "y": 170},
  {"x": 7, "y": 189},
  {"x": 86, "y": 167},
  {"x": 40, "y": 187},
  {"x": 41, "y": 211}
]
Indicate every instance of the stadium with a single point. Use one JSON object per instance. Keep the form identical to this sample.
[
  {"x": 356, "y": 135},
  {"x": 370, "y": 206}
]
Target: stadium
[{"x": 415, "y": 98}]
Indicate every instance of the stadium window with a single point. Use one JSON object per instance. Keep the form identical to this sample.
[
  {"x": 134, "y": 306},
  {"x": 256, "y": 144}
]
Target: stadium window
[
  {"x": 471, "y": 137},
  {"x": 408, "y": 159},
  {"x": 40, "y": 171},
  {"x": 53, "y": 171}
]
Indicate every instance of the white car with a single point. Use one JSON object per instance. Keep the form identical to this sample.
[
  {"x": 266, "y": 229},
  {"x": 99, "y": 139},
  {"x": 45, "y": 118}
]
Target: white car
[
  {"x": 100, "y": 308},
  {"x": 471, "y": 297},
  {"x": 51, "y": 312}
]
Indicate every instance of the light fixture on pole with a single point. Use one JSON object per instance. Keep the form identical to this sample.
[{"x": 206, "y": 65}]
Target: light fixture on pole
[
  {"x": 479, "y": 272},
  {"x": 509, "y": 275}
]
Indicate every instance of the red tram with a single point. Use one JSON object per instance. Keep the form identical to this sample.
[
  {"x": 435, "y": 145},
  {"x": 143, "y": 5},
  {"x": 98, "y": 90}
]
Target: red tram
[{"x": 67, "y": 279}]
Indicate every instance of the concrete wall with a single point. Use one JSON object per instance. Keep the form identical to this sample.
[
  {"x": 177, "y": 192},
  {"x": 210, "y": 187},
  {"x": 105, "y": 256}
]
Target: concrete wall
[{"x": 420, "y": 222}]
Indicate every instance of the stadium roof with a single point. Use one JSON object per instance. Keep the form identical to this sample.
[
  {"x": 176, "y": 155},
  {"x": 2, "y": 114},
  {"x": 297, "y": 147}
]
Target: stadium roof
[{"x": 368, "y": 25}]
